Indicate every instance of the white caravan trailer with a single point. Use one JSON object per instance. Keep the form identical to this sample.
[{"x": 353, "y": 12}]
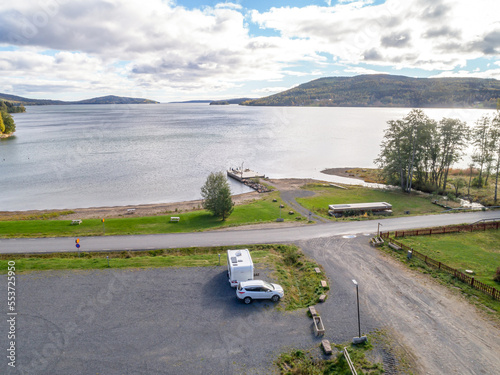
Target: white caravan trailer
[{"x": 239, "y": 266}]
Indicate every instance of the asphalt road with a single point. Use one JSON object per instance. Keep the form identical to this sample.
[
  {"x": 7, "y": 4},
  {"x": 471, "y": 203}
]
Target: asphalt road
[{"x": 239, "y": 237}]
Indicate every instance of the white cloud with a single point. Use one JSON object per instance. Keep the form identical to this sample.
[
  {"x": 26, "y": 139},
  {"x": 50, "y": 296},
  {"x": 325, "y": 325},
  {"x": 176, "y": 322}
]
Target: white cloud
[
  {"x": 423, "y": 34},
  {"x": 490, "y": 73},
  {"x": 157, "y": 46}
]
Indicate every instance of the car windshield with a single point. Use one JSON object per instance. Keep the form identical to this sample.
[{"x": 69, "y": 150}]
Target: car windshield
[{"x": 267, "y": 285}]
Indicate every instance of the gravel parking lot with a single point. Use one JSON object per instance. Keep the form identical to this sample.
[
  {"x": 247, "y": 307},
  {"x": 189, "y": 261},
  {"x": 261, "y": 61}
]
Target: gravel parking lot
[
  {"x": 152, "y": 321},
  {"x": 188, "y": 320}
]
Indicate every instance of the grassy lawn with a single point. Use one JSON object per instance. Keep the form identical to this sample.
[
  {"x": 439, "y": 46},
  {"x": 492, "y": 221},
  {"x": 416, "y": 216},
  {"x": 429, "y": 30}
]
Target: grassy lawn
[
  {"x": 401, "y": 202},
  {"x": 259, "y": 211},
  {"x": 303, "y": 362},
  {"x": 477, "y": 251},
  {"x": 289, "y": 265}
]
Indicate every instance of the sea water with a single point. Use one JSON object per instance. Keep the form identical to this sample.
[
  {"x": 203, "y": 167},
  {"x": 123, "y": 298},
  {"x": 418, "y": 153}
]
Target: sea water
[{"x": 71, "y": 156}]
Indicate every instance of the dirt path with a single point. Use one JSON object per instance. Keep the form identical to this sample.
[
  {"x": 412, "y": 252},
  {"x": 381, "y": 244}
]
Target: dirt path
[
  {"x": 290, "y": 189},
  {"x": 438, "y": 329}
]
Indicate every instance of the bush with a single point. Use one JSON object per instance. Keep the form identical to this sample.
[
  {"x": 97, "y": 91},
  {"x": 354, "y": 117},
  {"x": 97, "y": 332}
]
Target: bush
[
  {"x": 291, "y": 256},
  {"x": 497, "y": 275}
]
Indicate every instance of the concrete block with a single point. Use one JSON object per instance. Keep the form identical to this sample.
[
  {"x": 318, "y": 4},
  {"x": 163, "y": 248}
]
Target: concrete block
[
  {"x": 327, "y": 348},
  {"x": 312, "y": 311}
]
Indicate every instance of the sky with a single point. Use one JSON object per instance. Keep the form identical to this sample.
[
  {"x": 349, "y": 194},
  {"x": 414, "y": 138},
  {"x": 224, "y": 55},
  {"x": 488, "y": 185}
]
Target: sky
[{"x": 201, "y": 49}]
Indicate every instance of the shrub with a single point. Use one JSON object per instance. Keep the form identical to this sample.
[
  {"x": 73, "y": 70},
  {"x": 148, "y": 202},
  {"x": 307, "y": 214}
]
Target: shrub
[{"x": 497, "y": 275}]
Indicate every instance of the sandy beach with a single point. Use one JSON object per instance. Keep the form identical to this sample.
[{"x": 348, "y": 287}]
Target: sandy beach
[{"x": 285, "y": 184}]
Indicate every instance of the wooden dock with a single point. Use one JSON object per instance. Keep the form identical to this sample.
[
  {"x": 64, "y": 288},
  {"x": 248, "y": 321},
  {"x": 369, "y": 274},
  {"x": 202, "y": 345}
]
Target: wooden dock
[
  {"x": 247, "y": 177},
  {"x": 245, "y": 174}
]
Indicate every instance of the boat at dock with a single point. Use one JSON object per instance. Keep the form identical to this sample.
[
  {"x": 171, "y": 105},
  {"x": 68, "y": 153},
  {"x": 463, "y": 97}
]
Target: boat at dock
[
  {"x": 249, "y": 178},
  {"x": 243, "y": 174}
]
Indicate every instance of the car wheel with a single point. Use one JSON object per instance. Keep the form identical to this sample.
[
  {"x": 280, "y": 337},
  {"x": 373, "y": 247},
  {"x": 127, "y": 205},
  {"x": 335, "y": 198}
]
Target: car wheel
[
  {"x": 247, "y": 300},
  {"x": 275, "y": 298}
]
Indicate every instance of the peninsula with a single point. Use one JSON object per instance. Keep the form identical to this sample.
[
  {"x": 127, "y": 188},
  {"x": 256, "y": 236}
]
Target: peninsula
[
  {"x": 384, "y": 90},
  {"x": 110, "y": 99}
]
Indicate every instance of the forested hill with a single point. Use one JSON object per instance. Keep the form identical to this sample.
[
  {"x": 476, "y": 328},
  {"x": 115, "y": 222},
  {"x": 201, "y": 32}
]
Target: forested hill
[
  {"x": 111, "y": 99},
  {"x": 382, "y": 90}
]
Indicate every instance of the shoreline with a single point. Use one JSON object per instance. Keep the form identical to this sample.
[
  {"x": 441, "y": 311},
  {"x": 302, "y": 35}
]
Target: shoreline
[
  {"x": 148, "y": 209},
  {"x": 154, "y": 209}
]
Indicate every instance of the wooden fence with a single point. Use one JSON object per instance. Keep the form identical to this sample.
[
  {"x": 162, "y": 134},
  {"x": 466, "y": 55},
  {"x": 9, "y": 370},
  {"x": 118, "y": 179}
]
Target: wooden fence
[
  {"x": 493, "y": 292},
  {"x": 443, "y": 230}
]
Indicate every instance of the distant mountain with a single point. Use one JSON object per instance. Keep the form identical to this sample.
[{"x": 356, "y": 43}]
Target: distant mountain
[
  {"x": 382, "y": 90},
  {"x": 26, "y": 101},
  {"x": 230, "y": 101},
  {"x": 192, "y": 102},
  {"x": 110, "y": 99}
]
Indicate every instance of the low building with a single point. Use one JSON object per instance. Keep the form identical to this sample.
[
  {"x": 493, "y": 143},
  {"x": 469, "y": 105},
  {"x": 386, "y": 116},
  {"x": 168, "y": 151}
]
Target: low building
[{"x": 379, "y": 207}]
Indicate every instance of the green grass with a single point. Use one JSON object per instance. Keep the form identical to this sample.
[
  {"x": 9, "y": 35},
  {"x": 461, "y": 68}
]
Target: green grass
[
  {"x": 187, "y": 257},
  {"x": 259, "y": 211},
  {"x": 288, "y": 264},
  {"x": 401, "y": 202},
  {"x": 296, "y": 274},
  {"x": 303, "y": 362},
  {"x": 477, "y": 251}
]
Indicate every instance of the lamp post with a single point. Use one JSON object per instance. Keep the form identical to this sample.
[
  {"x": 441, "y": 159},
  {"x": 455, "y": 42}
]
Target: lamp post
[
  {"x": 357, "y": 299},
  {"x": 359, "y": 339},
  {"x": 378, "y": 229}
]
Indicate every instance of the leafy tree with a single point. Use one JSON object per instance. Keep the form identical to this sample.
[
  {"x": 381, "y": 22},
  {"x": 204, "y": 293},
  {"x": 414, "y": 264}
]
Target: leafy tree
[
  {"x": 8, "y": 121},
  {"x": 458, "y": 184},
  {"x": 495, "y": 140},
  {"x": 216, "y": 195},
  {"x": 405, "y": 148},
  {"x": 2, "y": 126},
  {"x": 454, "y": 135},
  {"x": 483, "y": 154}
]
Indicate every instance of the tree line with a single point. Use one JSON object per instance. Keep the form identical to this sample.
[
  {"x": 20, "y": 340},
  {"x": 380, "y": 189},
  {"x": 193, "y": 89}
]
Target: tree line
[
  {"x": 7, "y": 125},
  {"x": 417, "y": 152},
  {"x": 383, "y": 90}
]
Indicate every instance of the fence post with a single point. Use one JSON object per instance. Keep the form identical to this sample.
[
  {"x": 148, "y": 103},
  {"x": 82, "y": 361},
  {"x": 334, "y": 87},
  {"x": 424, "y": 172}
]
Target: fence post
[
  {"x": 472, "y": 282},
  {"x": 425, "y": 259},
  {"x": 439, "y": 266}
]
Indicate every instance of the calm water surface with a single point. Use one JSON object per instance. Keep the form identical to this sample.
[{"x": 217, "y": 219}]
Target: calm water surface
[{"x": 106, "y": 155}]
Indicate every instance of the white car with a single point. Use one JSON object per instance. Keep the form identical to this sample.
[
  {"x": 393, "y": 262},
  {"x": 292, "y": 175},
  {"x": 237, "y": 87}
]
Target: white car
[{"x": 259, "y": 289}]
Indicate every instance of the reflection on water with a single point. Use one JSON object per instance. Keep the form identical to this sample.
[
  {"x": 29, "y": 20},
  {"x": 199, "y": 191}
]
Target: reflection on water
[{"x": 103, "y": 155}]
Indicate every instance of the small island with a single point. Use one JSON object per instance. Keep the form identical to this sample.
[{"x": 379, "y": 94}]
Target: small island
[{"x": 7, "y": 125}]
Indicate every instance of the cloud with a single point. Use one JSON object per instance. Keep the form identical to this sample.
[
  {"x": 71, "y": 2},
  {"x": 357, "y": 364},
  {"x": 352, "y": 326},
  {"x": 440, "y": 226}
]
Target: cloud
[
  {"x": 396, "y": 40},
  {"x": 489, "y": 44},
  {"x": 397, "y": 34},
  {"x": 443, "y": 31},
  {"x": 159, "y": 46}
]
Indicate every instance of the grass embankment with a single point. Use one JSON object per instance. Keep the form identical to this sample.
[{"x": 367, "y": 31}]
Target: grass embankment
[
  {"x": 259, "y": 211},
  {"x": 477, "y": 251},
  {"x": 417, "y": 204},
  {"x": 457, "y": 184},
  {"x": 302, "y": 362},
  {"x": 290, "y": 266}
]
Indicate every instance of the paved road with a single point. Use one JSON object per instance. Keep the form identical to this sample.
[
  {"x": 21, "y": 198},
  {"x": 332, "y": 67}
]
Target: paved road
[{"x": 239, "y": 237}]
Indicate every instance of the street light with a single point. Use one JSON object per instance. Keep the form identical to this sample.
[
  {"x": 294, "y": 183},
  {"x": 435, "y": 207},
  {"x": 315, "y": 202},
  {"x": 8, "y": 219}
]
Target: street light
[
  {"x": 378, "y": 229},
  {"x": 360, "y": 339}
]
